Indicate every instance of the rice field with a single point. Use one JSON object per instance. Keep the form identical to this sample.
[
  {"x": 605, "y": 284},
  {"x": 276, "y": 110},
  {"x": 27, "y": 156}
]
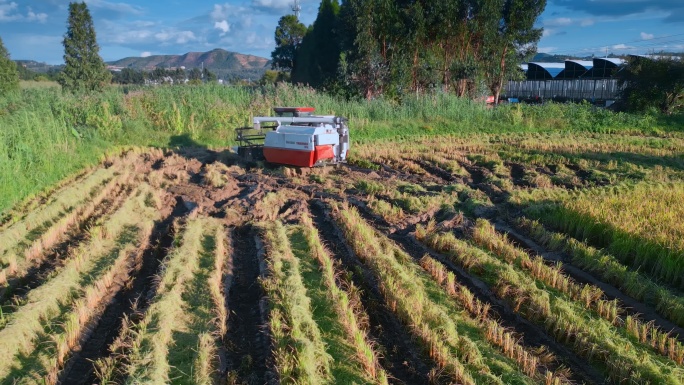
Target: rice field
[{"x": 490, "y": 259}]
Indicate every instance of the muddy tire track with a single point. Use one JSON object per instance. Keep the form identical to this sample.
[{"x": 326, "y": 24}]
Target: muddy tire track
[{"x": 247, "y": 345}]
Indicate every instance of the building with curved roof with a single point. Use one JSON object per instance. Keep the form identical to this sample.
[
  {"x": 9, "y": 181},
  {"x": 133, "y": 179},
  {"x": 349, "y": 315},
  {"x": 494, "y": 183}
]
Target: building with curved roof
[
  {"x": 544, "y": 71},
  {"x": 574, "y": 69},
  {"x": 604, "y": 67}
]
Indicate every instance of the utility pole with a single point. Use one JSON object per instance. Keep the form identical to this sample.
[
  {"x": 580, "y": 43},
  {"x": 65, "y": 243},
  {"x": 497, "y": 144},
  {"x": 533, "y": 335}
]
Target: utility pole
[{"x": 296, "y": 8}]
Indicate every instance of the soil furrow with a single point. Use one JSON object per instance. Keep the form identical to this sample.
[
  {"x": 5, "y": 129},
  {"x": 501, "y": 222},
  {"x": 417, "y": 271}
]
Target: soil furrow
[
  {"x": 400, "y": 356},
  {"x": 131, "y": 301},
  {"x": 629, "y": 304},
  {"x": 247, "y": 356},
  {"x": 436, "y": 171},
  {"x": 36, "y": 275},
  {"x": 531, "y": 334}
]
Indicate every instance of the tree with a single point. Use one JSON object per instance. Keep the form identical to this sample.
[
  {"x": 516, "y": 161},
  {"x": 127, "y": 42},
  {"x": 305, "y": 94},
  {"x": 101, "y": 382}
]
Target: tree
[
  {"x": 195, "y": 74},
  {"x": 129, "y": 76},
  {"x": 9, "y": 77},
  {"x": 510, "y": 38},
  {"x": 288, "y": 37},
  {"x": 84, "y": 70},
  {"x": 208, "y": 76},
  {"x": 318, "y": 58},
  {"x": 653, "y": 83}
]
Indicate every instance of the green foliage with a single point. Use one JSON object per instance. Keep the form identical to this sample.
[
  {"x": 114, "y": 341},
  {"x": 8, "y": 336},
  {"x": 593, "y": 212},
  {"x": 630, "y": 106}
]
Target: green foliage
[
  {"x": 319, "y": 57},
  {"x": 84, "y": 71},
  {"x": 653, "y": 83},
  {"x": 288, "y": 36},
  {"x": 47, "y": 135},
  {"x": 128, "y": 76},
  {"x": 272, "y": 77},
  {"x": 400, "y": 48},
  {"x": 510, "y": 39},
  {"x": 9, "y": 78}
]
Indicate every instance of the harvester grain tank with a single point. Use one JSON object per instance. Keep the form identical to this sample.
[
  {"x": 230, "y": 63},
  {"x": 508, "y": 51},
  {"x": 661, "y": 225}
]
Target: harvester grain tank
[{"x": 295, "y": 137}]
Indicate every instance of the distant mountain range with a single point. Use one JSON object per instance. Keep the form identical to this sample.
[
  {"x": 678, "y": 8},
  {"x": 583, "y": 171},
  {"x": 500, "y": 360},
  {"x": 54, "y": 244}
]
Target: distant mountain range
[{"x": 223, "y": 63}]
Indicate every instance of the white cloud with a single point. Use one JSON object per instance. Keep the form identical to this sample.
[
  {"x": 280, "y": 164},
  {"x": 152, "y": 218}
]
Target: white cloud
[
  {"x": 223, "y": 26},
  {"x": 39, "y": 17},
  {"x": 247, "y": 21},
  {"x": 647, "y": 36},
  {"x": 220, "y": 12},
  {"x": 621, "y": 46},
  {"x": 546, "y": 49},
  {"x": 127, "y": 37},
  {"x": 116, "y": 7},
  {"x": 146, "y": 54},
  {"x": 587, "y": 22},
  {"x": 8, "y": 11},
  {"x": 548, "y": 32},
  {"x": 178, "y": 37},
  {"x": 561, "y": 21},
  {"x": 272, "y": 4}
]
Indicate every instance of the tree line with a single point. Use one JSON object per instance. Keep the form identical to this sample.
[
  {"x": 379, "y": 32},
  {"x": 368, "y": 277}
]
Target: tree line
[
  {"x": 371, "y": 48},
  {"x": 374, "y": 47}
]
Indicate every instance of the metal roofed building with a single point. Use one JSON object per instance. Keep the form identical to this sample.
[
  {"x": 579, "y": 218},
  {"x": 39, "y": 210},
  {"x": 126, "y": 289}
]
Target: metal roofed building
[
  {"x": 604, "y": 68},
  {"x": 544, "y": 71},
  {"x": 574, "y": 69}
]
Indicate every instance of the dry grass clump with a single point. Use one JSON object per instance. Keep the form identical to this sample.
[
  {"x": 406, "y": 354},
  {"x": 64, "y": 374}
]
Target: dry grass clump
[
  {"x": 299, "y": 353},
  {"x": 565, "y": 320},
  {"x": 347, "y": 304},
  {"x": 409, "y": 292},
  {"x": 217, "y": 174}
]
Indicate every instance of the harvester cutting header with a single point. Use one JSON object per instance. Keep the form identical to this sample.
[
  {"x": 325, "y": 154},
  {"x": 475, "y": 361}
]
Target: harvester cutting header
[{"x": 295, "y": 137}]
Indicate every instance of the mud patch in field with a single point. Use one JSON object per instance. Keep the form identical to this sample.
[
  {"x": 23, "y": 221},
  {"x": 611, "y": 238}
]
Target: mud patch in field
[{"x": 246, "y": 346}]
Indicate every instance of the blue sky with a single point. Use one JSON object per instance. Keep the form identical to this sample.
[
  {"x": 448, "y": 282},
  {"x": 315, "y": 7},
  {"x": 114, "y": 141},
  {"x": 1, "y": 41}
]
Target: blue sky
[{"x": 33, "y": 29}]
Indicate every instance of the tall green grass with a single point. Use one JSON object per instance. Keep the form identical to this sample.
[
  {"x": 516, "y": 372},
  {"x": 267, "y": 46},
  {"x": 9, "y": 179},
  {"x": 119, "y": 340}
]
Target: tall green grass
[{"x": 47, "y": 135}]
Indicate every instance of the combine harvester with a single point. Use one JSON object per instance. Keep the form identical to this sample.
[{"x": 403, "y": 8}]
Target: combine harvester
[{"x": 296, "y": 138}]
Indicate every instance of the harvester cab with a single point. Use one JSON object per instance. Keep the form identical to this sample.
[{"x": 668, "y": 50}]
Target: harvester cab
[{"x": 295, "y": 137}]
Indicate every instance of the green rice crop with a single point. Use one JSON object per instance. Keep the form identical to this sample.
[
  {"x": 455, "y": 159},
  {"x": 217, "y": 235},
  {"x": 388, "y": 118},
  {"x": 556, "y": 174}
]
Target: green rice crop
[{"x": 640, "y": 225}]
